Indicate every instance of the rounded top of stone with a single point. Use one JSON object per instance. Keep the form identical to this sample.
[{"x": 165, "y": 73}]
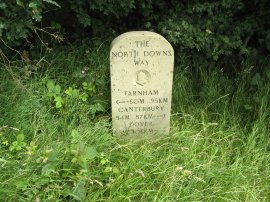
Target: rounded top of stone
[{"x": 138, "y": 34}]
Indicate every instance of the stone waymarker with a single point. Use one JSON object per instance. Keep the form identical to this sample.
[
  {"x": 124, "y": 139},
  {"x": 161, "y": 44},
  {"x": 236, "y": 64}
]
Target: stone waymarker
[{"x": 141, "y": 66}]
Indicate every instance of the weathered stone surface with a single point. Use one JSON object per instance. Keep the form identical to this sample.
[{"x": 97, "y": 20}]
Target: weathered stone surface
[{"x": 141, "y": 66}]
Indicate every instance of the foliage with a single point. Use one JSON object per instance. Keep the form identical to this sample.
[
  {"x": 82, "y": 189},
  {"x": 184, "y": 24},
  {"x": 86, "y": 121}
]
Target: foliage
[
  {"x": 115, "y": 9},
  {"x": 212, "y": 32},
  {"x": 203, "y": 29},
  {"x": 73, "y": 172},
  {"x": 218, "y": 147},
  {"x": 71, "y": 95},
  {"x": 19, "y": 19}
]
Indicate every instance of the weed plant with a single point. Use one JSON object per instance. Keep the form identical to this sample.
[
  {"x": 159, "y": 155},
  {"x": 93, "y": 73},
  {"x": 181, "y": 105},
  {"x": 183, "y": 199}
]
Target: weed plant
[{"x": 217, "y": 150}]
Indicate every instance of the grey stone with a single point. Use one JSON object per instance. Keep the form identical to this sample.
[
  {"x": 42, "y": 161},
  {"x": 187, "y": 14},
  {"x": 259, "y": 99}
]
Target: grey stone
[{"x": 141, "y": 67}]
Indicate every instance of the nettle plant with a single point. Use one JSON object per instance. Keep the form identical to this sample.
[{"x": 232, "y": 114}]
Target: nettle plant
[
  {"x": 71, "y": 164},
  {"x": 14, "y": 144},
  {"x": 77, "y": 165},
  {"x": 84, "y": 95}
]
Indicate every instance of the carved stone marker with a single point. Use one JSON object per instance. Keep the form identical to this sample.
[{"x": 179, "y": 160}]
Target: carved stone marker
[{"x": 141, "y": 66}]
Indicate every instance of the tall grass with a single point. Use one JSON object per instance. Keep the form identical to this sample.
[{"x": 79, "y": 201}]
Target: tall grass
[{"x": 217, "y": 150}]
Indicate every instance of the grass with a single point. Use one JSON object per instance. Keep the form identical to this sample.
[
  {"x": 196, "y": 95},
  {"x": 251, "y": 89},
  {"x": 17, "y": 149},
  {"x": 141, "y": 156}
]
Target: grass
[{"x": 217, "y": 150}]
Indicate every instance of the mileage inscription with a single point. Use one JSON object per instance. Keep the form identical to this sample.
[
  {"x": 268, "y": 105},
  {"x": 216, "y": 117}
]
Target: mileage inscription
[{"x": 141, "y": 66}]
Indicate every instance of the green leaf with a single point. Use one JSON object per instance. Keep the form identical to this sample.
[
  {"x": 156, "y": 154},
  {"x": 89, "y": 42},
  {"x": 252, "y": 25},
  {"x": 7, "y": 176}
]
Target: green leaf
[
  {"x": 2, "y": 25},
  {"x": 108, "y": 169},
  {"x": 22, "y": 144},
  {"x": 58, "y": 105},
  {"x": 48, "y": 169},
  {"x": 58, "y": 101},
  {"x": 42, "y": 181},
  {"x": 57, "y": 89},
  {"x": 50, "y": 94},
  {"x": 90, "y": 152},
  {"x": 33, "y": 144},
  {"x": 115, "y": 170},
  {"x": 75, "y": 136},
  {"x": 11, "y": 148},
  {"x": 33, "y": 4},
  {"x": 79, "y": 191},
  {"x": 52, "y": 155},
  {"x": 75, "y": 92},
  {"x": 37, "y": 17},
  {"x": 74, "y": 160},
  {"x": 103, "y": 161},
  {"x": 84, "y": 84},
  {"x": 3, "y": 160},
  {"x": 3, "y": 5},
  {"x": 18, "y": 148},
  {"x": 19, "y": 2},
  {"x": 83, "y": 97},
  {"x": 52, "y": 2},
  {"x": 72, "y": 92},
  {"x": 21, "y": 183},
  {"x": 69, "y": 91},
  {"x": 50, "y": 85},
  {"x": 99, "y": 107},
  {"x": 20, "y": 137},
  {"x": 5, "y": 142},
  {"x": 54, "y": 89},
  {"x": 248, "y": 107}
]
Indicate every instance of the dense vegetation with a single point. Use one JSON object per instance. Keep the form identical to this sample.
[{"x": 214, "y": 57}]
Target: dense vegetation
[
  {"x": 214, "y": 33},
  {"x": 56, "y": 141}
]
